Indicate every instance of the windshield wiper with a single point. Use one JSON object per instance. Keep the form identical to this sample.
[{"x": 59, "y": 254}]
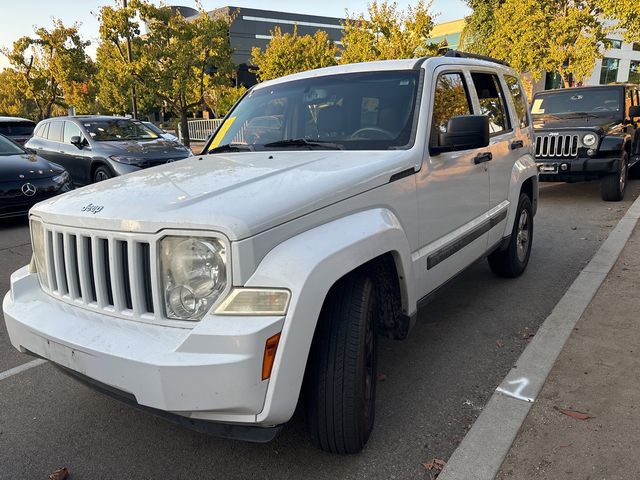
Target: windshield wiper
[
  {"x": 231, "y": 147},
  {"x": 303, "y": 142}
]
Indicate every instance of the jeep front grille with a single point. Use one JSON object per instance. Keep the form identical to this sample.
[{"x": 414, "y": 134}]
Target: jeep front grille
[
  {"x": 556, "y": 146},
  {"x": 111, "y": 272}
]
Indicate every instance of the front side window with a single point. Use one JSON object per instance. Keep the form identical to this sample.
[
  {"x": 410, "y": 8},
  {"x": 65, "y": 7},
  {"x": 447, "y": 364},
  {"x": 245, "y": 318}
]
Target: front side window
[
  {"x": 355, "y": 111},
  {"x": 603, "y": 100},
  {"x": 71, "y": 130},
  {"x": 518, "y": 100},
  {"x": 117, "y": 129},
  {"x": 492, "y": 102},
  {"x": 609, "y": 70},
  {"x": 450, "y": 99}
]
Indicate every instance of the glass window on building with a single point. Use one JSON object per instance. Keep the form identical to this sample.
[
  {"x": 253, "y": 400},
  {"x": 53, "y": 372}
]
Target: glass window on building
[
  {"x": 609, "y": 70},
  {"x": 634, "y": 71},
  {"x": 636, "y": 47},
  {"x": 612, "y": 43}
]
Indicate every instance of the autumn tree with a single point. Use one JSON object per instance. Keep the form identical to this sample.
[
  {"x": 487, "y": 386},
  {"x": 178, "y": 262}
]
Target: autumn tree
[
  {"x": 175, "y": 58},
  {"x": 626, "y": 15},
  {"x": 480, "y": 25},
  {"x": 13, "y": 99},
  {"x": 54, "y": 68},
  {"x": 535, "y": 36},
  {"x": 387, "y": 32},
  {"x": 288, "y": 53}
]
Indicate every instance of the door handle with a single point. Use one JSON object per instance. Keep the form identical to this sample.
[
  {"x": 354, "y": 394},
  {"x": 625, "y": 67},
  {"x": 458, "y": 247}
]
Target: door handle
[
  {"x": 517, "y": 144},
  {"x": 482, "y": 157}
]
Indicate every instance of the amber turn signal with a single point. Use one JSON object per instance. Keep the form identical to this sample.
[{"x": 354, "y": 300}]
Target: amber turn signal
[{"x": 270, "y": 348}]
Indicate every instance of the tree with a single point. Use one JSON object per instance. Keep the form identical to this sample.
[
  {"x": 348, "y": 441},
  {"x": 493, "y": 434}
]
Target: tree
[
  {"x": 176, "y": 56},
  {"x": 479, "y": 26},
  {"x": 388, "y": 33},
  {"x": 626, "y": 14},
  {"x": 220, "y": 98},
  {"x": 53, "y": 67},
  {"x": 13, "y": 100},
  {"x": 289, "y": 53},
  {"x": 535, "y": 36}
]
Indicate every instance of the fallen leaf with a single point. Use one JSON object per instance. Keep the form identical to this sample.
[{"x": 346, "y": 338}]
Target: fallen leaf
[
  {"x": 436, "y": 464},
  {"x": 575, "y": 414},
  {"x": 60, "y": 474},
  {"x": 499, "y": 344},
  {"x": 382, "y": 377}
]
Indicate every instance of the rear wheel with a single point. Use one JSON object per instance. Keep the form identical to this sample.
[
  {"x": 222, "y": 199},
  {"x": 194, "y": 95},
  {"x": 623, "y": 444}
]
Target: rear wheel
[
  {"x": 340, "y": 382},
  {"x": 101, "y": 173},
  {"x": 614, "y": 185},
  {"x": 512, "y": 261}
]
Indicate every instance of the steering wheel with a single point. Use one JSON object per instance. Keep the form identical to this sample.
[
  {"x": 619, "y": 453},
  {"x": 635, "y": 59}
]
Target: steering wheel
[{"x": 384, "y": 133}]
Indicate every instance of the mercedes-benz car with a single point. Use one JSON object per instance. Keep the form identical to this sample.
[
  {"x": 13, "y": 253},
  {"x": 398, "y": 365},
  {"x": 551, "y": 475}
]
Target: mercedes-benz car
[
  {"x": 95, "y": 148},
  {"x": 26, "y": 179}
]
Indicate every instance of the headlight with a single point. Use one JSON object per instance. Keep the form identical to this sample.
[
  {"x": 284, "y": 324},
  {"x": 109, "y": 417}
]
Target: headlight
[
  {"x": 589, "y": 140},
  {"x": 194, "y": 275},
  {"x": 38, "y": 245},
  {"x": 126, "y": 160},
  {"x": 62, "y": 178}
]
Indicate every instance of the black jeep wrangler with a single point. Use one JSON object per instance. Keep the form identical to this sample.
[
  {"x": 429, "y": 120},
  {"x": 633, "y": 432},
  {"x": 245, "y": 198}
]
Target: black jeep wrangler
[{"x": 589, "y": 133}]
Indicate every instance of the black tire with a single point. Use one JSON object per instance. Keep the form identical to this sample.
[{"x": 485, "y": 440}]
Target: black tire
[
  {"x": 101, "y": 173},
  {"x": 512, "y": 261},
  {"x": 340, "y": 381},
  {"x": 614, "y": 185}
]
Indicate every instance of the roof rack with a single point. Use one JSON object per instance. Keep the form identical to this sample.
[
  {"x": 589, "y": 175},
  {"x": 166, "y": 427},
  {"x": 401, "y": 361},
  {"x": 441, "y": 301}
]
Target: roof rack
[{"x": 459, "y": 54}]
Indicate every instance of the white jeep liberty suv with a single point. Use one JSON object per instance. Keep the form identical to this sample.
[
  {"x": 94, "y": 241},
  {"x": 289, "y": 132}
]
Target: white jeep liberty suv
[{"x": 220, "y": 289}]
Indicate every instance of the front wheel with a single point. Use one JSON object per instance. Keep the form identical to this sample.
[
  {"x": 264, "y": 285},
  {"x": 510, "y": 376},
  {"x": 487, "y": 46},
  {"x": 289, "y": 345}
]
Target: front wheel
[
  {"x": 512, "y": 261},
  {"x": 101, "y": 173},
  {"x": 614, "y": 185},
  {"x": 340, "y": 382}
]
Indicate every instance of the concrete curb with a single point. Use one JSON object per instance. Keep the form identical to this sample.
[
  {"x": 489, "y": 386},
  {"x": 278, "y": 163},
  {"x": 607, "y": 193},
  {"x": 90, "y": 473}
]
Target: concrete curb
[{"x": 484, "y": 448}]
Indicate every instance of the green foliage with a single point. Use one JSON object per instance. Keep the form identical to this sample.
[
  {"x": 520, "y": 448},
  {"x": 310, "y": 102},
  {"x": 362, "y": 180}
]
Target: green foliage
[
  {"x": 171, "y": 61},
  {"x": 480, "y": 25},
  {"x": 547, "y": 35},
  {"x": 388, "y": 33},
  {"x": 220, "y": 98},
  {"x": 13, "y": 100},
  {"x": 627, "y": 15},
  {"x": 54, "y": 69},
  {"x": 289, "y": 53}
]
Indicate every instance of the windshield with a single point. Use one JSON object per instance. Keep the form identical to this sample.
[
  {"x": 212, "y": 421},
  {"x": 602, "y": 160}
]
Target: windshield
[
  {"x": 597, "y": 100},
  {"x": 117, "y": 129},
  {"x": 358, "y": 111},
  {"x": 153, "y": 128},
  {"x": 17, "y": 128},
  {"x": 7, "y": 147}
]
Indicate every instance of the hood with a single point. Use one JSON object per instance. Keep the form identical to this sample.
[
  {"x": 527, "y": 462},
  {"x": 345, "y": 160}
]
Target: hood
[
  {"x": 602, "y": 123},
  {"x": 26, "y": 166},
  {"x": 160, "y": 148},
  {"x": 237, "y": 194}
]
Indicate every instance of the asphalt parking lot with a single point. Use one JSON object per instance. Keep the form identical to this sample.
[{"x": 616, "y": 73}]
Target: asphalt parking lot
[{"x": 435, "y": 383}]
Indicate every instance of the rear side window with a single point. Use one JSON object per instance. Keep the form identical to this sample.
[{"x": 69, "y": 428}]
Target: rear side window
[
  {"x": 492, "y": 102},
  {"x": 518, "y": 100},
  {"x": 71, "y": 130},
  {"x": 39, "y": 130},
  {"x": 55, "y": 131},
  {"x": 451, "y": 99}
]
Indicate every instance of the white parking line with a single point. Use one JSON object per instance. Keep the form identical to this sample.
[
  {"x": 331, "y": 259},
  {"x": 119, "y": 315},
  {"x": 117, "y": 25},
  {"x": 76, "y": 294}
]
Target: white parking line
[{"x": 21, "y": 368}]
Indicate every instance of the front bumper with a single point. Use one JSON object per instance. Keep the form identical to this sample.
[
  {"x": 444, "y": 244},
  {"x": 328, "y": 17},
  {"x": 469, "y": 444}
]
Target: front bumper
[
  {"x": 209, "y": 372},
  {"x": 576, "y": 169}
]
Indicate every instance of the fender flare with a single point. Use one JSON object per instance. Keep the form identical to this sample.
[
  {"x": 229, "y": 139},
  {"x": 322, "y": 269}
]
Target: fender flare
[
  {"x": 523, "y": 169},
  {"x": 308, "y": 265}
]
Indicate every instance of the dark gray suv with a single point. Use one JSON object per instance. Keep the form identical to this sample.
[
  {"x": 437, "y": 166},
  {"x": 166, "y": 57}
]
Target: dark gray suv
[{"x": 94, "y": 148}]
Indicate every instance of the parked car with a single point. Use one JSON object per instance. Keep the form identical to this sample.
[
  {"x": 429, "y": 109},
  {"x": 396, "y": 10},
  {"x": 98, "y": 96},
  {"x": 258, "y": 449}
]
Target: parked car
[
  {"x": 17, "y": 129},
  {"x": 154, "y": 128},
  {"x": 26, "y": 179},
  {"x": 95, "y": 148},
  {"x": 589, "y": 133},
  {"x": 332, "y": 204}
]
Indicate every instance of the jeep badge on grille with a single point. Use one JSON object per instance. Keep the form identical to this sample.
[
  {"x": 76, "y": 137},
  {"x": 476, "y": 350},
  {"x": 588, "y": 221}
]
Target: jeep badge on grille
[{"x": 92, "y": 208}]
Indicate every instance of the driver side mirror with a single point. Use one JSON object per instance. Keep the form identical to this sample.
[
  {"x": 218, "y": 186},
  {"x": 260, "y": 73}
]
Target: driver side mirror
[
  {"x": 77, "y": 141},
  {"x": 634, "y": 111},
  {"x": 463, "y": 133}
]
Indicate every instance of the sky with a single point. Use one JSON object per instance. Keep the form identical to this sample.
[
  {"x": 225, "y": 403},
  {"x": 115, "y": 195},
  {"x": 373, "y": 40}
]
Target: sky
[{"x": 18, "y": 19}]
